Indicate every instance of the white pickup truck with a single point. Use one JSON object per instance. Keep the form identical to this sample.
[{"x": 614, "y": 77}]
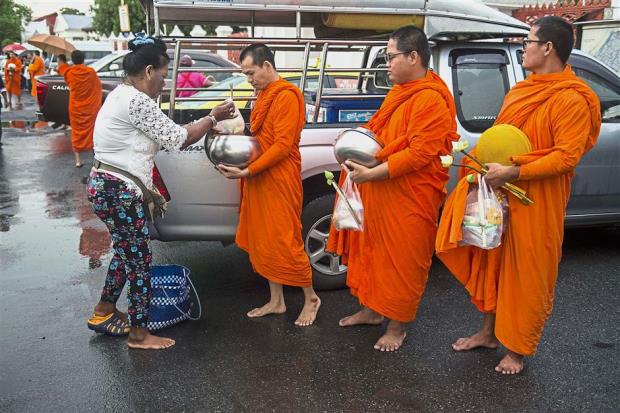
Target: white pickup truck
[{"x": 469, "y": 52}]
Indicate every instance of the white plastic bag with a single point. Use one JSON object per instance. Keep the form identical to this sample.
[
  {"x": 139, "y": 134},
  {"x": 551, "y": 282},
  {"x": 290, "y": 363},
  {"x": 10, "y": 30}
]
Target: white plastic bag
[
  {"x": 483, "y": 223},
  {"x": 348, "y": 211},
  {"x": 232, "y": 126}
]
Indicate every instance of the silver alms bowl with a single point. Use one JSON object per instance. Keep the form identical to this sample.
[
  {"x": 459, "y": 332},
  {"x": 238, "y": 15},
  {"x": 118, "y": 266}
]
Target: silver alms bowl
[
  {"x": 232, "y": 150},
  {"x": 358, "y": 145}
]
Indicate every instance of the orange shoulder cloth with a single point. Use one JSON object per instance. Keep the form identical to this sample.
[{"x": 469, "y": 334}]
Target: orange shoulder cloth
[
  {"x": 266, "y": 98},
  {"x": 528, "y": 95},
  {"x": 400, "y": 94}
]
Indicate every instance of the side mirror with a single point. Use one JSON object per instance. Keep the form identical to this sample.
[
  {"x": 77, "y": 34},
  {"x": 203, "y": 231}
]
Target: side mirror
[{"x": 113, "y": 67}]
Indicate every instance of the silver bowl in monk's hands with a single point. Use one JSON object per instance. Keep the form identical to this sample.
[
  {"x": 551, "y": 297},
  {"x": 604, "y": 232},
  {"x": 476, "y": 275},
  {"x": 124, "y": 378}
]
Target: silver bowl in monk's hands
[
  {"x": 232, "y": 150},
  {"x": 358, "y": 145}
]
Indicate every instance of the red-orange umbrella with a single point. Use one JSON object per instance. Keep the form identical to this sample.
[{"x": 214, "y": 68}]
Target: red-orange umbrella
[
  {"x": 13, "y": 47},
  {"x": 51, "y": 44}
]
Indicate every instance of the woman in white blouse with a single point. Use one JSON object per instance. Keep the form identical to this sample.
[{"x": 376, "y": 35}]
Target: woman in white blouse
[{"x": 129, "y": 131}]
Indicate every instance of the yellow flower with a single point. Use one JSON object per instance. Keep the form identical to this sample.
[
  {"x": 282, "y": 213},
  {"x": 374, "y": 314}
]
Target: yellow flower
[
  {"x": 460, "y": 146},
  {"x": 446, "y": 161}
]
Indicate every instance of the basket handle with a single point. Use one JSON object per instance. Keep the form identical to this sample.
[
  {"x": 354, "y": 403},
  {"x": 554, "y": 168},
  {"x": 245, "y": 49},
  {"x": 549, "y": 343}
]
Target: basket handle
[{"x": 186, "y": 275}]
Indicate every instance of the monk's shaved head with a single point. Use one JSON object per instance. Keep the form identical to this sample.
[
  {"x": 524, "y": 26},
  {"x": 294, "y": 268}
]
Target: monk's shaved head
[
  {"x": 558, "y": 31},
  {"x": 259, "y": 53},
  {"x": 411, "y": 38},
  {"x": 77, "y": 57}
]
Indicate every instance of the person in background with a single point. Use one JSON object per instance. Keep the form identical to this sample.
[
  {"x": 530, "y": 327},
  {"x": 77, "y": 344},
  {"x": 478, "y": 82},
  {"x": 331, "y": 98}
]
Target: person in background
[
  {"x": 13, "y": 79},
  {"x": 129, "y": 131},
  {"x": 46, "y": 62},
  {"x": 63, "y": 66},
  {"x": 85, "y": 96},
  {"x": 61, "y": 69},
  {"x": 35, "y": 68},
  {"x": 26, "y": 82},
  {"x": 191, "y": 79}
]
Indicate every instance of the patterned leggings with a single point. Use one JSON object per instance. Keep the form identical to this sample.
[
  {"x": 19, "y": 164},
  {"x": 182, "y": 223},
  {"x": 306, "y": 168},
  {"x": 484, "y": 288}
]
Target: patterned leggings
[{"x": 120, "y": 208}]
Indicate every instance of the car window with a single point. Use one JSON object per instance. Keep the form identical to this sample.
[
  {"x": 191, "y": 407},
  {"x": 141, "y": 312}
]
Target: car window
[
  {"x": 109, "y": 71},
  {"x": 312, "y": 83},
  {"x": 205, "y": 64},
  {"x": 480, "y": 82},
  {"x": 608, "y": 94}
]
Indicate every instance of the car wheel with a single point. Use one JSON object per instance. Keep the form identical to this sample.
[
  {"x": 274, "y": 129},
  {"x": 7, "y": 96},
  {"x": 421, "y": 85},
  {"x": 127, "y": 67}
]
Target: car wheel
[{"x": 327, "y": 271}]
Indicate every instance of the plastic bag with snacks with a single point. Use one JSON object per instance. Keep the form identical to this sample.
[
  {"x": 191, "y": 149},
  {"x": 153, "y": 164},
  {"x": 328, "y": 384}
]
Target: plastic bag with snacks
[
  {"x": 348, "y": 211},
  {"x": 485, "y": 215}
]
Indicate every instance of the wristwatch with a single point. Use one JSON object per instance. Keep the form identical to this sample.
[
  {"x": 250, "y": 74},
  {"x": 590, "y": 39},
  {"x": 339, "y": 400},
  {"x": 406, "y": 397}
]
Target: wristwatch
[{"x": 213, "y": 120}]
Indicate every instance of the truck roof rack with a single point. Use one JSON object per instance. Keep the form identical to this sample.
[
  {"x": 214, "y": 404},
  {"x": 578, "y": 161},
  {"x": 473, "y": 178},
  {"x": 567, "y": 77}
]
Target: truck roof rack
[{"x": 442, "y": 20}]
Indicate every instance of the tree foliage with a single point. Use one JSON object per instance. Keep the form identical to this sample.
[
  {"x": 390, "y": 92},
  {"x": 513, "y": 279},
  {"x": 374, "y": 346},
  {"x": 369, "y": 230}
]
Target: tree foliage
[
  {"x": 71, "y": 10},
  {"x": 106, "y": 20},
  {"x": 12, "y": 15}
]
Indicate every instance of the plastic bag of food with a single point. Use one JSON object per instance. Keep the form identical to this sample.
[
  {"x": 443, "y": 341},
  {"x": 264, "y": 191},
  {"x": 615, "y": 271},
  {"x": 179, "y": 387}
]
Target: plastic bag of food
[
  {"x": 485, "y": 214},
  {"x": 232, "y": 126},
  {"x": 348, "y": 211}
]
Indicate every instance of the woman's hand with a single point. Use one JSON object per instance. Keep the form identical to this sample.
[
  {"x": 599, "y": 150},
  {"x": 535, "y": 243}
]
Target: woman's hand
[
  {"x": 225, "y": 110},
  {"x": 232, "y": 172},
  {"x": 360, "y": 174}
]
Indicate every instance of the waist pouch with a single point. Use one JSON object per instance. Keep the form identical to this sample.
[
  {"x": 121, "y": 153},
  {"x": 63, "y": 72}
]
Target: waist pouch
[{"x": 153, "y": 203}]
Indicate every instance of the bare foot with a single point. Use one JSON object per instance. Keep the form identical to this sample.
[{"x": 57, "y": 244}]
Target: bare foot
[
  {"x": 393, "y": 338},
  {"x": 512, "y": 363},
  {"x": 480, "y": 339},
  {"x": 269, "y": 308},
  {"x": 364, "y": 316},
  {"x": 149, "y": 342},
  {"x": 308, "y": 313}
]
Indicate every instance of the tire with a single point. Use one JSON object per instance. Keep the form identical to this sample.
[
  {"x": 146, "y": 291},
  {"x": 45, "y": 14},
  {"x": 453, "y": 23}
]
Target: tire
[{"x": 327, "y": 272}]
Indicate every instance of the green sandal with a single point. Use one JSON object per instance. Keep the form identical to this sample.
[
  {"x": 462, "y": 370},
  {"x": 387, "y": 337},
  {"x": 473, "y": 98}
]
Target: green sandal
[{"x": 110, "y": 324}]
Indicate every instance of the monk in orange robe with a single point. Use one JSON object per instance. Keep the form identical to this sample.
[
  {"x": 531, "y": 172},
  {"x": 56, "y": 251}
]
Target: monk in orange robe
[
  {"x": 85, "y": 96},
  {"x": 36, "y": 68},
  {"x": 62, "y": 65},
  {"x": 272, "y": 194},
  {"x": 13, "y": 78},
  {"x": 513, "y": 285},
  {"x": 388, "y": 262}
]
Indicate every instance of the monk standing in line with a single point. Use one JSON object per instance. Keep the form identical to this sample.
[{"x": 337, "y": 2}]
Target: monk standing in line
[
  {"x": 13, "y": 79},
  {"x": 272, "y": 194},
  {"x": 388, "y": 262},
  {"x": 36, "y": 68},
  {"x": 85, "y": 96},
  {"x": 513, "y": 285}
]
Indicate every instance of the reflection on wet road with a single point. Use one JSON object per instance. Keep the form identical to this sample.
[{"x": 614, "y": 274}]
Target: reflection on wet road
[{"x": 53, "y": 257}]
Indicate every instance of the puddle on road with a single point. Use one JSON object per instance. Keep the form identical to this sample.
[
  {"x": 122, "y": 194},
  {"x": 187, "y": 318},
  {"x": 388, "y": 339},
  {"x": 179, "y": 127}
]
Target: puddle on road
[{"x": 50, "y": 236}]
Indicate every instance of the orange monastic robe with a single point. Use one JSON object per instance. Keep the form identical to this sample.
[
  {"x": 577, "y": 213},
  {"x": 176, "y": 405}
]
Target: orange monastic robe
[
  {"x": 36, "y": 68},
  {"x": 561, "y": 116},
  {"x": 13, "y": 80},
  {"x": 62, "y": 68},
  {"x": 270, "y": 213},
  {"x": 388, "y": 262},
  {"x": 85, "y": 95}
]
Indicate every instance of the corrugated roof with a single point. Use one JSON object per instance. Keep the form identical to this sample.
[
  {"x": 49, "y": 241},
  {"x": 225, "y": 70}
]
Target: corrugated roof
[{"x": 77, "y": 22}]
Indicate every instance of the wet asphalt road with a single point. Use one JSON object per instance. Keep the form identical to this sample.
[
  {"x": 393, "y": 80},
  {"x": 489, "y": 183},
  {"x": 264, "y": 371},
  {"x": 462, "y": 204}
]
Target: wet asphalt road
[{"x": 53, "y": 256}]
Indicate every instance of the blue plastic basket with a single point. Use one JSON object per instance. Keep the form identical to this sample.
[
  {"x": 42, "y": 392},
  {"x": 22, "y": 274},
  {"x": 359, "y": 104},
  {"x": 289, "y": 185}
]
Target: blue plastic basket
[{"x": 171, "y": 301}]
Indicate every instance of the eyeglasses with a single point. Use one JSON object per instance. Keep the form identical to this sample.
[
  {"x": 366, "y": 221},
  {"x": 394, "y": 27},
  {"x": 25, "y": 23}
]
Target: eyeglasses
[
  {"x": 526, "y": 42},
  {"x": 390, "y": 56}
]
